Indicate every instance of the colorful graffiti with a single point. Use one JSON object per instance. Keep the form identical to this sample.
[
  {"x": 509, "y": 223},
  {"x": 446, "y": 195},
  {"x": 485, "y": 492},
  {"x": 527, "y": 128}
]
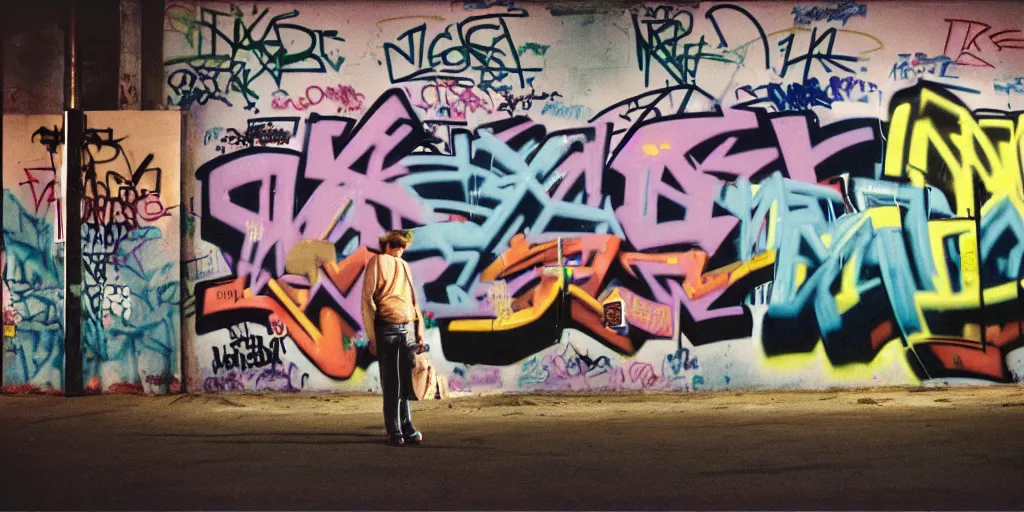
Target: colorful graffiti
[
  {"x": 33, "y": 338},
  {"x": 800, "y": 209},
  {"x": 777, "y": 214},
  {"x": 130, "y": 298}
]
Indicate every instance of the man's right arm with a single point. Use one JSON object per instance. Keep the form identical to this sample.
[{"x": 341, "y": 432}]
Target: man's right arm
[{"x": 369, "y": 306}]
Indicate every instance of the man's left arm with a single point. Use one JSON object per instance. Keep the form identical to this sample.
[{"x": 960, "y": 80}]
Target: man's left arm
[
  {"x": 416, "y": 307},
  {"x": 369, "y": 307}
]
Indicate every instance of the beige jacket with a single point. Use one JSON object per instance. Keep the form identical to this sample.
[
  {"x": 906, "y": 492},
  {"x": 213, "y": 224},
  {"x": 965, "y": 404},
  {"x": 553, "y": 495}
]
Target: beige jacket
[{"x": 389, "y": 294}]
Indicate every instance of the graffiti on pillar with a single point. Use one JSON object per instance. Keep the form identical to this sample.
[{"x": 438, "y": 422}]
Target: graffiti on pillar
[
  {"x": 30, "y": 262},
  {"x": 130, "y": 319},
  {"x": 33, "y": 302}
]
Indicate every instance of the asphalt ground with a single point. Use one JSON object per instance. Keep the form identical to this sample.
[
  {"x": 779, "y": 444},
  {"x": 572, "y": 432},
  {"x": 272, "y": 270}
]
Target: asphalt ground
[{"x": 907, "y": 449}]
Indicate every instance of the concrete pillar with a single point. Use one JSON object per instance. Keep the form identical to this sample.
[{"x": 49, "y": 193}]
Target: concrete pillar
[
  {"x": 129, "y": 83},
  {"x": 33, "y": 57},
  {"x": 153, "y": 97}
]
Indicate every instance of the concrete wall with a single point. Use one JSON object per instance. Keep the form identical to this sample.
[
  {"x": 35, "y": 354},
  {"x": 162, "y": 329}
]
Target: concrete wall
[
  {"x": 33, "y": 264},
  {"x": 747, "y": 195},
  {"x": 132, "y": 320},
  {"x": 33, "y": 58},
  {"x": 131, "y": 225}
]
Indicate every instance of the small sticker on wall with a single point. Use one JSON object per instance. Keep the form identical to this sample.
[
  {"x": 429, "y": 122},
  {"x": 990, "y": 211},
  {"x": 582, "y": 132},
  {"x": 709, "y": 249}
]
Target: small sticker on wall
[{"x": 10, "y": 331}]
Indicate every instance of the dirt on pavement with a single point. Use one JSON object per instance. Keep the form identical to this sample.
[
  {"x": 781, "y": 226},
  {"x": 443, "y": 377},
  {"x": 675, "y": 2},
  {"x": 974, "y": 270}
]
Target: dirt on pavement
[{"x": 919, "y": 448}]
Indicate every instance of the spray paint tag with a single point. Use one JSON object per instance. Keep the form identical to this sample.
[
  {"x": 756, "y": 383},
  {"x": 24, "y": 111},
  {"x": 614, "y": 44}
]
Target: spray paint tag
[{"x": 10, "y": 331}]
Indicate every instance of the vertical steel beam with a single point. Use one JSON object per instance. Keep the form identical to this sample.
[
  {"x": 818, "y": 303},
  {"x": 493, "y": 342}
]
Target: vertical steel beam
[
  {"x": 71, "y": 56},
  {"x": 3, "y": 237},
  {"x": 74, "y": 135},
  {"x": 186, "y": 252},
  {"x": 981, "y": 271}
]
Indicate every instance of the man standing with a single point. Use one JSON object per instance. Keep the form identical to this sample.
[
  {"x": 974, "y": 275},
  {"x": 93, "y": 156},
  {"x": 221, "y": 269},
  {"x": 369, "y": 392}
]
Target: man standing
[{"x": 391, "y": 318}]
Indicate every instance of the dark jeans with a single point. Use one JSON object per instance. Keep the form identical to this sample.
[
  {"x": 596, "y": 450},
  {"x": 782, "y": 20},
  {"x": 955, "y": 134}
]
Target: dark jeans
[{"x": 396, "y": 356}]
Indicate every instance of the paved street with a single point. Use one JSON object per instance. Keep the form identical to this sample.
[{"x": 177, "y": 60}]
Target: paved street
[{"x": 877, "y": 449}]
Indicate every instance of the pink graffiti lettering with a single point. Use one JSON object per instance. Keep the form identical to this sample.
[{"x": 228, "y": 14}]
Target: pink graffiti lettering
[
  {"x": 357, "y": 182},
  {"x": 450, "y": 99},
  {"x": 648, "y": 315},
  {"x": 127, "y": 208},
  {"x": 642, "y": 374},
  {"x": 481, "y": 376},
  {"x": 344, "y": 96}
]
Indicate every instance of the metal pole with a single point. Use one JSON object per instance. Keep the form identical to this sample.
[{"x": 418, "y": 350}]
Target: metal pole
[
  {"x": 559, "y": 318},
  {"x": 3, "y": 236},
  {"x": 71, "y": 46},
  {"x": 185, "y": 253},
  {"x": 977, "y": 245},
  {"x": 74, "y": 135}
]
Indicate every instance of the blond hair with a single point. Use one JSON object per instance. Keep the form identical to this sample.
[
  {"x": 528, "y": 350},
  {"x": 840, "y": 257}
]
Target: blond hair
[{"x": 398, "y": 238}]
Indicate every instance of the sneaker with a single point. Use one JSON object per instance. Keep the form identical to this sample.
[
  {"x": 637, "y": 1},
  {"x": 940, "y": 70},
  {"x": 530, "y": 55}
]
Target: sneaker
[
  {"x": 414, "y": 438},
  {"x": 395, "y": 440}
]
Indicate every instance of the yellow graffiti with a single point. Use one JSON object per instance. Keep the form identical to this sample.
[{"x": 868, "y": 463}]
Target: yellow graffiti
[
  {"x": 585, "y": 298},
  {"x": 292, "y": 308},
  {"x": 972, "y": 162},
  {"x": 655, "y": 149},
  {"x": 936, "y": 142},
  {"x": 964, "y": 154},
  {"x": 891, "y": 366},
  {"x": 945, "y": 297},
  {"x": 545, "y": 296},
  {"x": 739, "y": 270}
]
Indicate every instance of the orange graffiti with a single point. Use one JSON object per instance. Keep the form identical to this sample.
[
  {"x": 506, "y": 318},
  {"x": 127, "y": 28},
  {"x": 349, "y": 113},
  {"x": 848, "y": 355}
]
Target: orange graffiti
[{"x": 327, "y": 342}]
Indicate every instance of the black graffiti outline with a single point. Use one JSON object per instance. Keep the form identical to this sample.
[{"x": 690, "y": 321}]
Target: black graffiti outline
[
  {"x": 466, "y": 51},
  {"x": 207, "y": 66}
]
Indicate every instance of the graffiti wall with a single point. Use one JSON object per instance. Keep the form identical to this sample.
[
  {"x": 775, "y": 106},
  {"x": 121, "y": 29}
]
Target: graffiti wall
[
  {"x": 32, "y": 263},
  {"x": 131, "y": 303},
  {"x": 729, "y": 195}
]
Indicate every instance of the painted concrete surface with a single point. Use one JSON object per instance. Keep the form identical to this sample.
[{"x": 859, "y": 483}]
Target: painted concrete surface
[
  {"x": 131, "y": 223},
  {"x": 921, "y": 449},
  {"x": 772, "y": 195},
  {"x": 607, "y": 196}
]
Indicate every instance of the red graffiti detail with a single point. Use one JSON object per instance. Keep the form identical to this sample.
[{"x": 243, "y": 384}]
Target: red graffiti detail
[
  {"x": 971, "y": 43},
  {"x": 345, "y": 96},
  {"x": 451, "y": 100},
  {"x": 28, "y": 389}
]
